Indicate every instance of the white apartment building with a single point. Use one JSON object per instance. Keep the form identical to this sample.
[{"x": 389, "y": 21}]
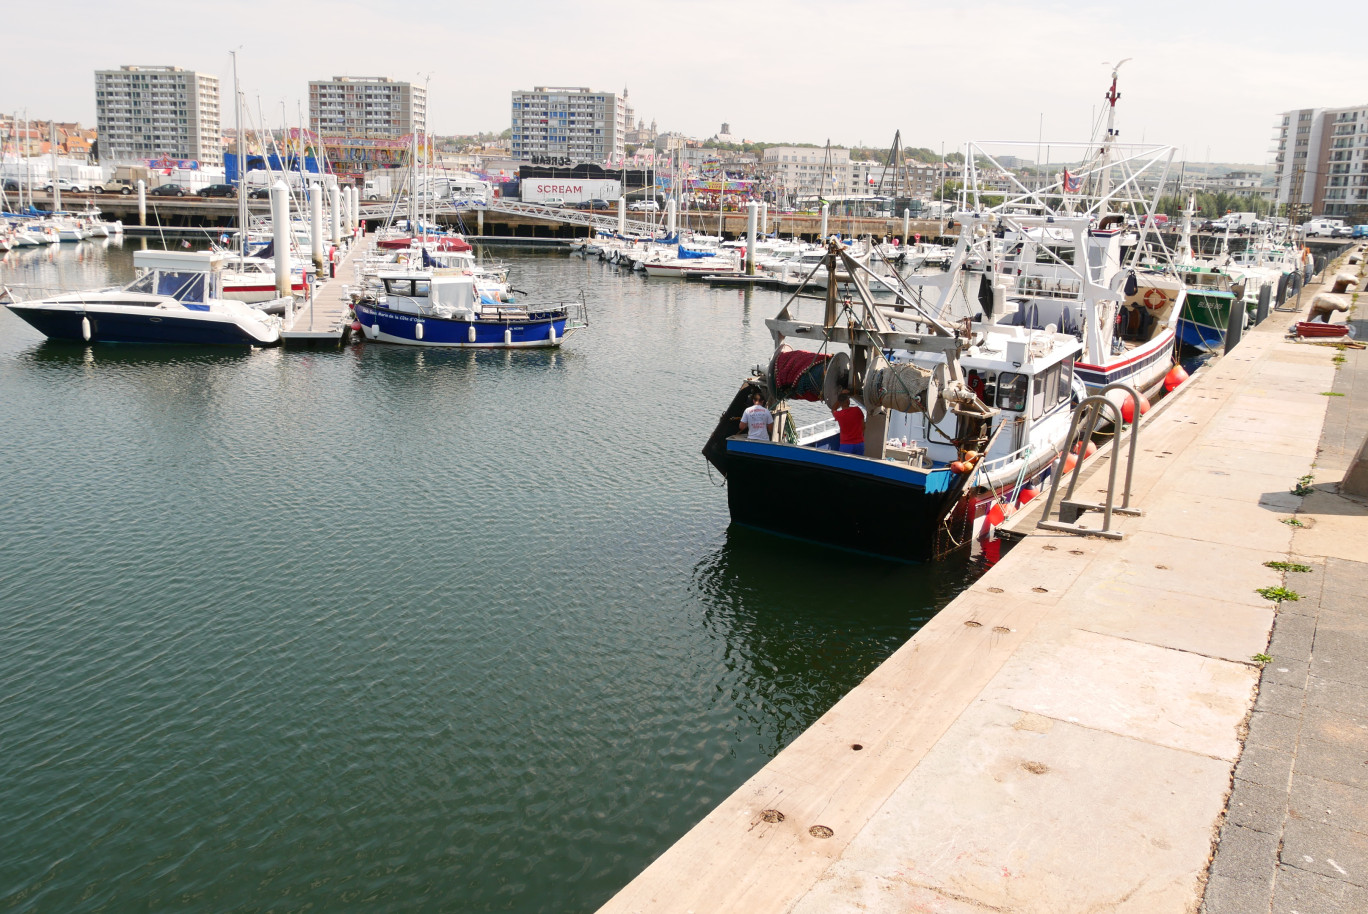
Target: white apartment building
[
  {"x": 799, "y": 171},
  {"x": 570, "y": 125},
  {"x": 1321, "y": 160},
  {"x": 922, "y": 180},
  {"x": 366, "y": 106},
  {"x": 155, "y": 112}
]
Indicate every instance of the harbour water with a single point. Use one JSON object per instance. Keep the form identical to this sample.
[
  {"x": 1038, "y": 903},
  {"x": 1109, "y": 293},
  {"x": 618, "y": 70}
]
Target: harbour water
[{"x": 393, "y": 629}]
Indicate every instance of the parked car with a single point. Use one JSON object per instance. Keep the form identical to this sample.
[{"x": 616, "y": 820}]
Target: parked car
[
  {"x": 115, "y": 186},
  {"x": 259, "y": 193},
  {"x": 1342, "y": 231},
  {"x": 168, "y": 190},
  {"x": 67, "y": 186},
  {"x": 648, "y": 206},
  {"x": 218, "y": 190},
  {"x": 554, "y": 201},
  {"x": 1360, "y": 231},
  {"x": 11, "y": 184}
]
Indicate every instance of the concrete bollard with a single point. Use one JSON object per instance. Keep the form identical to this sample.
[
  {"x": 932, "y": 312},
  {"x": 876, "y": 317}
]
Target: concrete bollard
[
  {"x": 334, "y": 214},
  {"x": 142, "y": 204},
  {"x": 280, "y": 236},
  {"x": 1265, "y": 295},
  {"x": 316, "y": 226},
  {"x": 1356, "y": 479},
  {"x": 752, "y": 218}
]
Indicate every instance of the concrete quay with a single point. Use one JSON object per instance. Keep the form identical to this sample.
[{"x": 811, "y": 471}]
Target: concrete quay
[{"x": 1091, "y": 726}]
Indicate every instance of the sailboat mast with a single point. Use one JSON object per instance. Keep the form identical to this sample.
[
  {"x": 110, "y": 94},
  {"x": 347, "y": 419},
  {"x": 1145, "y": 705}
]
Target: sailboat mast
[{"x": 241, "y": 167}]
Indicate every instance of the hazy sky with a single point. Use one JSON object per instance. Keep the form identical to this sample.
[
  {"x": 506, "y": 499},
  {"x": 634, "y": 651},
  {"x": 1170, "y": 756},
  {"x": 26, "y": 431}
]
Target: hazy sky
[{"x": 1206, "y": 76}]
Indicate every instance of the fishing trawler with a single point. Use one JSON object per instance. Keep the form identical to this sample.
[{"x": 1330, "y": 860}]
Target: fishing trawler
[{"x": 968, "y": 378}]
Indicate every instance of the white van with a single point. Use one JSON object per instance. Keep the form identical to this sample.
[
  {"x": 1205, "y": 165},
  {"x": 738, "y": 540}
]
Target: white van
[{"x": 1322, "y": 226}]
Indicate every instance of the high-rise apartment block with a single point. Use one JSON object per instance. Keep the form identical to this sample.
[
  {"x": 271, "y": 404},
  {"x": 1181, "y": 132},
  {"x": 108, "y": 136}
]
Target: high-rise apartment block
[
  {"x": 1320, "y": 162},
  {"x": 570, "y": 125},
  {"x": 365, "y": 121},
  {"x": 158, "y": 112}
]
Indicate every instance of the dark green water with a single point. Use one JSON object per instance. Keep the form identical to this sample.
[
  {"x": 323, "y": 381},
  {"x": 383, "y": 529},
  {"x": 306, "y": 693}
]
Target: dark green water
[{"x": 380, "y": 629}]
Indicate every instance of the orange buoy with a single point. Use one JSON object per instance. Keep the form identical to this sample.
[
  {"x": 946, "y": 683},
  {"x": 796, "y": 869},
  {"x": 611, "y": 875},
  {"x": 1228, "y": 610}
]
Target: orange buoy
[
  {"x": 959, "y": 466},
  {"x": 1128, "y": 407},
  {"x": 1026, "y": 496},
  {"x": 1087, "y": 452},
  {"x": 1069, "y": 463},
  {"x": 1175, "y": 377},
  {"x": 996, "y": 515}
]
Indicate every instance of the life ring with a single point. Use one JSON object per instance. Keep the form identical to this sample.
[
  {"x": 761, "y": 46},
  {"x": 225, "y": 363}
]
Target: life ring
[{"x": 1155, "y": 299}]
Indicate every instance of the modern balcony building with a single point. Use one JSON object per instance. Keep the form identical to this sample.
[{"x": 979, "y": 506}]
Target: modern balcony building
[
  {"x": 569, "y": 126},
  {"x": 1320, "y": 161},
  {"x": 158, "y": 113}
]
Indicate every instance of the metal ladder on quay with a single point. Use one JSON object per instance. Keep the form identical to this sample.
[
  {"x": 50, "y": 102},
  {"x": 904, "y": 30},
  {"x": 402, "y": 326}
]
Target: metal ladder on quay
[{"x": 1086, "y": 419}]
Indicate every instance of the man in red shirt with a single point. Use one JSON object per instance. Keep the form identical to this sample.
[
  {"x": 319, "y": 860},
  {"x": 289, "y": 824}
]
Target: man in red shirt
[{"x": 851, "y": 419}]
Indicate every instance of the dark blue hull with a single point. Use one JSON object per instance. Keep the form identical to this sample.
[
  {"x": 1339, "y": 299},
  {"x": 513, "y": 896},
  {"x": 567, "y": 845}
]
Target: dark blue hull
[
  {"x": 850, "y": 502},
  {"x": 1196, "y": 336},
  {"x": 539, "y": 329},
  {"x": 134, "y": 328}
]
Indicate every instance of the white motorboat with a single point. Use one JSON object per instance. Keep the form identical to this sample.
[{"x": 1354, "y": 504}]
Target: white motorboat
[{"x": 176, "y": 298}]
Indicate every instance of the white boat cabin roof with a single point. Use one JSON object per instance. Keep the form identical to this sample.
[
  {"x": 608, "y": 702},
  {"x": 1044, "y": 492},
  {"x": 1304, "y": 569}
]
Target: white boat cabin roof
[{"x": 180, "y": 261}]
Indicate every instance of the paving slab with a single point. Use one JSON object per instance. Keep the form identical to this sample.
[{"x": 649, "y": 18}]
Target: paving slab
[
  {"x": 1132, "y": 689},
  {"x": 1328, "y": 803},
  {"x": 1217, "y": 571},
  {"x": 1209, "y": 518},
  {"x": 1326, "y": 850},
  {"x": 1299, "y": 891},
  {"x": 955, "y": 836},
  {"x": 1263, "y": 766},
  {"x": 1200, "y": 625}
]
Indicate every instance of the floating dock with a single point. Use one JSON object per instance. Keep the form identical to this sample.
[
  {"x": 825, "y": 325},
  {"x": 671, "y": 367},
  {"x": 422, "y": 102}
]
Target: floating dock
[
  {"x": 322, "y": 318},
  {"x": 1063, "y": 736}
]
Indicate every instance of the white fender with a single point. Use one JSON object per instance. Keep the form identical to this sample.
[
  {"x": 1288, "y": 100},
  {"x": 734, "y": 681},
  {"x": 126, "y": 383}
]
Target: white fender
[
  {"x": 553, "y": 334},
  {"x": 418, "y": 330},
  {"x": 470, "y": 334},
  {"x": 508, "y": 335},
  {"x": 85, "y": 328}
]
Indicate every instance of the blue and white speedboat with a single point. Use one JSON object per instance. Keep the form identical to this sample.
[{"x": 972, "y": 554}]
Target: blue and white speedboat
[
  {"x": 177, "y": 298},
  {"x": 448, "y": 308}
]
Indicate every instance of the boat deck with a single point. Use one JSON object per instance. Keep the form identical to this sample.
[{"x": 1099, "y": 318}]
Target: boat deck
[{"x": 324, "y": 317}]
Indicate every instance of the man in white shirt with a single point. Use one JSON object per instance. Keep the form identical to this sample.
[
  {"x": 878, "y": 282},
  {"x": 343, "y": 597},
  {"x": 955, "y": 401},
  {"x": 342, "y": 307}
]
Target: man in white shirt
[{"x": 758, "y": 422}]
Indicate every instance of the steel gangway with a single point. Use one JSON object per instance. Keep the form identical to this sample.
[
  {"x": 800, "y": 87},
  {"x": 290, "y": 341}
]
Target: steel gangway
[{"x": 596, "y": 221}]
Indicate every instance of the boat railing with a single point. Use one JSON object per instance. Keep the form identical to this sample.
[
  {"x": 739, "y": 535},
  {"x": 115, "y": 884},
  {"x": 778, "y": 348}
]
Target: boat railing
[
  {"x": 1055, "y": 288},
  {"x": 987, "y": 467},
  {"x": 816, "y": 431}
]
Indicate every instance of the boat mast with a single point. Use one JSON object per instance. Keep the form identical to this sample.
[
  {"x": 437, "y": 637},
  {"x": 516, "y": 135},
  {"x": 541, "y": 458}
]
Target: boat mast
[
  {"x": 241, "y": 169},
  {"x": 413, "y": 180},
  {"x": 1104, "y": 180}
]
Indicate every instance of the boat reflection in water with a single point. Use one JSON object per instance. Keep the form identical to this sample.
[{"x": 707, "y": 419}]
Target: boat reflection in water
[{"x": 796, "y": 635}]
